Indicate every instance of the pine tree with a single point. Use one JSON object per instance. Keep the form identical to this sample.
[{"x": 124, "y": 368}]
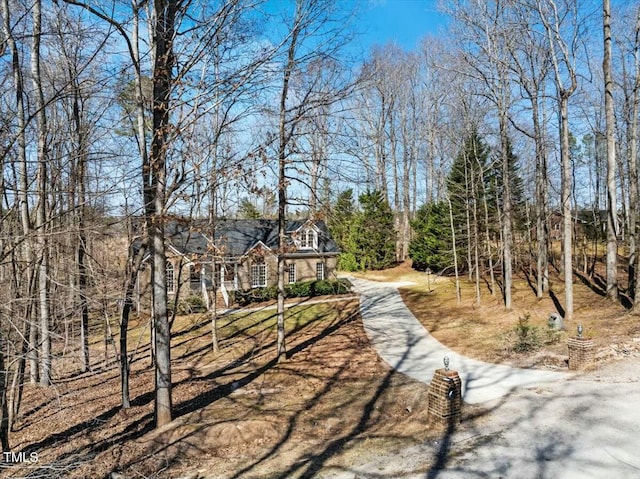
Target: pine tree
[
  {"x": 518, "y": 200},
  {"x": 373, "y": 234},
  {"x": 431, "y": 243},
  {"x": 247, "y": 210},
  {"x": 368, "y": 239},
  {"x": 341, "y": 218},
  {"x": 466, "y": 184}
]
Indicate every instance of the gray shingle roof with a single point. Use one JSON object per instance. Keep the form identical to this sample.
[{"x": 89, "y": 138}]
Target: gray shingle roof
[{"x": 237, "y": 237}]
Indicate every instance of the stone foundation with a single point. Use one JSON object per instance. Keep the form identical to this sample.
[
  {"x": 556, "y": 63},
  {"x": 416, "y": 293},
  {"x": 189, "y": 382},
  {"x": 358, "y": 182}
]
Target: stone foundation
[
  {"x": 445, "y": 398},
  {"x": 582, "y": 353}
]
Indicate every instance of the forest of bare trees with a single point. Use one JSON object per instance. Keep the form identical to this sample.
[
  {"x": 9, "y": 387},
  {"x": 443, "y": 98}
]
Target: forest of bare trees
[{"x": 116, "y": 116}]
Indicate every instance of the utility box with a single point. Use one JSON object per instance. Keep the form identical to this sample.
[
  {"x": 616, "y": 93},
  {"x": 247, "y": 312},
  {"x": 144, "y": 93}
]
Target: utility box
[{"x": 445, "y": 398}]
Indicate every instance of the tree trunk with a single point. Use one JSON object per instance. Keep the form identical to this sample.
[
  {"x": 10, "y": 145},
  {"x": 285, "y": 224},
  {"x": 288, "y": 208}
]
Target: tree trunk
[
  {"x": 283, "y": 136},
  {"x": 455, "y": 253},
  {"x": 4, "y": 409},
  {"x": 567, "y": 230},
  {"x": 81, "y": 251},
  {"x": 634, "y": 258},
  {"x": 542, "y": 234},
  {"x": 612, "y": 204},
  {"x": 476, "y": 239},
  {"x": 133, "y": 268},
  {"x": 23, "y": 203},
  {"x": 507, "y": 234},
  {"x": 487, "y": 237},
  {"x": 155, "y": 201},
  {"x": 41, "y": 211}
]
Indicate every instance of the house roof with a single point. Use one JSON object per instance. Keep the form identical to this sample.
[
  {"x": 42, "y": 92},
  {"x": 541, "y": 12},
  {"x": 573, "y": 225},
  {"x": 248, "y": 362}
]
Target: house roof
[{"x": 237, "y": 237}]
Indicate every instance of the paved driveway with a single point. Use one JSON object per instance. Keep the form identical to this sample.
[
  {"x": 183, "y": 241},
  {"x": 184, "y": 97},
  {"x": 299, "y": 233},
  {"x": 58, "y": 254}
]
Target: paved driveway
[
  {"x": 406, "y": 346},
  {"x": 536, "y": 425}
]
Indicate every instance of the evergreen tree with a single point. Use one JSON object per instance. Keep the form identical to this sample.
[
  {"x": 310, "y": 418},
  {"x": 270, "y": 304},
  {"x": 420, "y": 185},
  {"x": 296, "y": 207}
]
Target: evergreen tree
[
  {"x": 341, "y": 217},
  {"x": 247, "y": 210},
  {"x": 373, "y": 234},
  {"x": 431, "y": 243},
  {"x": 518, "y": 200},
  {"x": 467, "y": 184},
  {"x": 369, "y": 240}
]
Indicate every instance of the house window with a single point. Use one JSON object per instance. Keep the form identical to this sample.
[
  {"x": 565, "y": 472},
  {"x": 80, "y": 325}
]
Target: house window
[
  {"x": 309, "y": 239},
  {"x": 320, "y": 271},
  {"x": 258, "y": 275},
  {"x": 292, "y": 273},
  {"x": 171, "y": 285}
]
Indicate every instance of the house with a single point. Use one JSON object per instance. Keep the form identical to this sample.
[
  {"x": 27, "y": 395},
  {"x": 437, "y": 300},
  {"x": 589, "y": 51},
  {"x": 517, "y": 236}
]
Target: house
[{"x": 213, "y": 260}]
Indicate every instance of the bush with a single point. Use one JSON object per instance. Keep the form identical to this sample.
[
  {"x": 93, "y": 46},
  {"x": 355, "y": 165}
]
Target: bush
[
  {"x": 255, "y": 295},
  {"x": 348, "y": 262},
  {"x": 189, "y": 305},
  {"x": 527, "y": 337},
  {"x": 307, "y": 289},
  {"x": 298, "y": 290}
]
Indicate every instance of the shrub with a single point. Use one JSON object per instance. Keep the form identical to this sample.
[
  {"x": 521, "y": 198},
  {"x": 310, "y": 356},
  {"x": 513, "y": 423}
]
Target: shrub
[
  {"x": 298, "y": 290},
  {"x": 305, "y": 289},
  {"x": 348, "y": 262},
  {"x": 255, "y": 295},
  {"x": 527, "y": 337}
]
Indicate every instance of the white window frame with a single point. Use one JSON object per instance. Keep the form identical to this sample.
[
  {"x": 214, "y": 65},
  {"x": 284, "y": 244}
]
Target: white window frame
[
  {"x": 309, "y": 239},
  {"x": 258, "y": 275},
  {"x": 320, "y": 272},
  {"x": 170, "y": 277},
  {"x": 293, "y": 276}
]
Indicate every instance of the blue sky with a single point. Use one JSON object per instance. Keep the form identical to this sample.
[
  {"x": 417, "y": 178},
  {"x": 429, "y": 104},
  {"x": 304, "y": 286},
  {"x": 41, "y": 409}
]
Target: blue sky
[{"x": 402, "y": 21}]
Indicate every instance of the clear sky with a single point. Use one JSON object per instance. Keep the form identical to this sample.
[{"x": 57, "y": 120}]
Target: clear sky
[{"x": 402, "y": 21}]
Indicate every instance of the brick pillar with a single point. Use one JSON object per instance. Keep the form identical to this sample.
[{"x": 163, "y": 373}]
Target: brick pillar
[
  {"x": 581, "y": 353},
  {"x": 445, "y": 398}
]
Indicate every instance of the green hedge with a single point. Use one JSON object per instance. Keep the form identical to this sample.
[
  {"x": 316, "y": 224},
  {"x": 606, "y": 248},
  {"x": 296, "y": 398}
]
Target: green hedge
[
  {"x": 189, "y": 305},
  {"x": 305, "y": 289}
]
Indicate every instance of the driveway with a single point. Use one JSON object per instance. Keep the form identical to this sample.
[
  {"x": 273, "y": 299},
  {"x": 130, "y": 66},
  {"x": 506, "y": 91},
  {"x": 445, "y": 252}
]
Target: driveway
[
  {"x": 532, "y": 424},
  {"x": 404, "y": 344}
]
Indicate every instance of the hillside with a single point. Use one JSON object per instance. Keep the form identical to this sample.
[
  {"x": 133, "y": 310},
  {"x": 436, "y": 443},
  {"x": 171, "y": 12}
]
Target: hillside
[
  {"x": 331, "y": 405},
  {"x": 238, "y": 413}
]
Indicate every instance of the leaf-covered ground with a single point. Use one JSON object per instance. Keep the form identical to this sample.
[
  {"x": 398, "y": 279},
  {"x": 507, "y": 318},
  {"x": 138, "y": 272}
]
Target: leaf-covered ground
[
  {"x": 332, "y": 406},
  {"x": 238, "y": 413}
]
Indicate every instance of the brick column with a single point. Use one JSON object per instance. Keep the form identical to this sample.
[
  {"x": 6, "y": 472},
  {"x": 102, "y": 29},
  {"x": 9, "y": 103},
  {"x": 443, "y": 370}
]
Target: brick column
[
  {"x": 445, "y": 398},
  {"x": 581, "y": 353}
]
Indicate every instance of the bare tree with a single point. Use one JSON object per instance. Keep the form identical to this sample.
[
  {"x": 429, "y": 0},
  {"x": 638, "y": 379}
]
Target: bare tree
[
  {"x": 631, "y": 91},
  {"x": 486, "y": 35},
  {"x": 612, "y": 203},
  {"x": 530, "y": 65},
  {"x": 313, "y": 32},
  {"x": 562, "y": 46}
]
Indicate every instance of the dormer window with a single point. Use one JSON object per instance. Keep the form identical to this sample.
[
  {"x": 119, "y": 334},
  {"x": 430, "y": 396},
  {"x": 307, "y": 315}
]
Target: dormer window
[{"x": 308, "y": 239}]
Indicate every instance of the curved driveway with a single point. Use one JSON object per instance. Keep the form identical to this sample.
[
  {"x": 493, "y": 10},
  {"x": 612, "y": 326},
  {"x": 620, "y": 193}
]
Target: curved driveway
[{"x": 406, "y": 346}]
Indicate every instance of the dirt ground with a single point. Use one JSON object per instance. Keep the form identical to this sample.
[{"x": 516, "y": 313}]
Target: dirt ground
[
  {"x": 238, "y": 413},
  {"x": 487, "y": 331},
  {"x": 332, "y": 404}
]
